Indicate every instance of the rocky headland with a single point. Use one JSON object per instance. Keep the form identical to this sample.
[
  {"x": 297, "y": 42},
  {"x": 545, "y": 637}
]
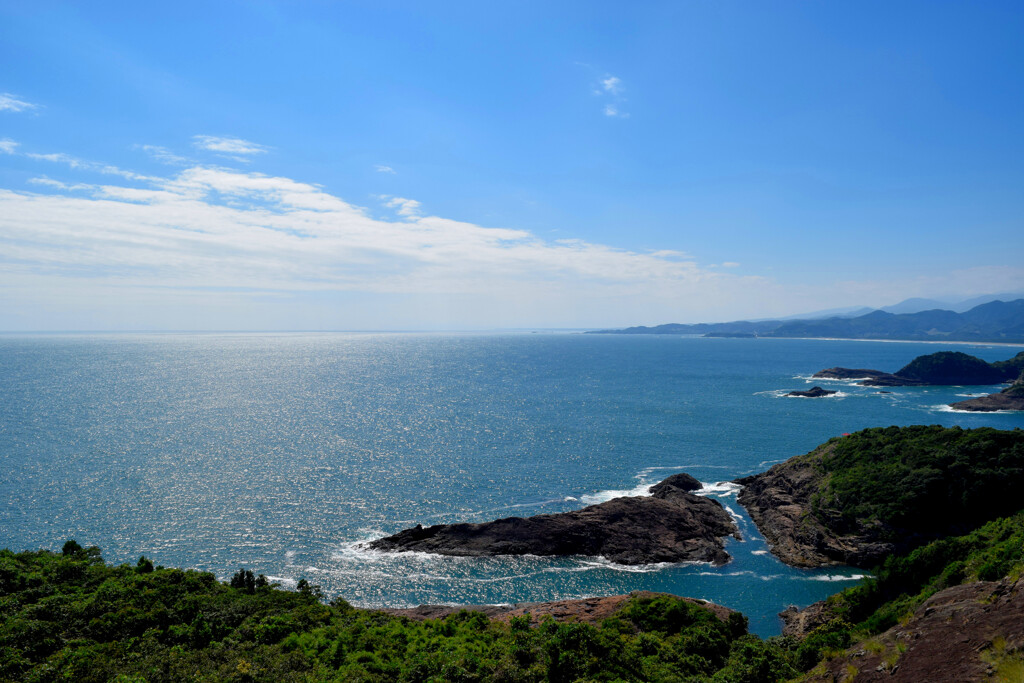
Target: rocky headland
[
  {"x": 779, "y": 503},
  {"x": 670, "y": 525},
  {"x": 814, "y": 392},
  {"x": 858, "y": 498},
  {"x": 1010, "y": 398},
  {"x": 942, "y": 368}
]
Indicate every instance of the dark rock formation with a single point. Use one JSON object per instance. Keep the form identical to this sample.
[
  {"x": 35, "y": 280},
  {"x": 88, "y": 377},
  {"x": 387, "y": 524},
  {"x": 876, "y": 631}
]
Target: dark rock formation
[
  {"x": 682, "y": 482},
  {"x": 849, "y": 373},
  {"x": 586, "y": 610},
  {"x": 963, "y": 633},
  {"x": 1010, "y": 398},
  {"x": 889, "y": 380},
  {"x": 671, "y": 525},
  {"x": 942, "y": 368},
  {"x": 815, "y": 392},
  {"x": 779, "y": 502}
]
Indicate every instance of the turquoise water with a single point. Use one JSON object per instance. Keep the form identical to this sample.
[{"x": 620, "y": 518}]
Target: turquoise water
[{"x": 284, "y": 453}]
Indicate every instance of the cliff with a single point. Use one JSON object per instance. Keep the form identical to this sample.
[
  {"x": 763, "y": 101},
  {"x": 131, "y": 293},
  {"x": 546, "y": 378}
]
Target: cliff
[{"x": 858, "y": 498}]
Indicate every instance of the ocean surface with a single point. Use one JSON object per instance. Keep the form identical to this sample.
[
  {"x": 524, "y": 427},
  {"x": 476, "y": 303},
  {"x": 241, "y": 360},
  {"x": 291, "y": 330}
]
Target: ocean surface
[{"x": 285, "y": 453}]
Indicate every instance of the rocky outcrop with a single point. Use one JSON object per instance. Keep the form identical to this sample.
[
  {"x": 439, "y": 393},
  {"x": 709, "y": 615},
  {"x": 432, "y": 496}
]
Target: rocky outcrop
[
  {"x": 935, "y": 369},
  {"x": 779, "y": 502},
  {"x": 586, "y": 610},
  {"x": 971, "y": 632},
  {"x": 849, "y": 373},
  {"x": 815, "y": 392},
  {"x": 799, "y": 622},
  {"x": 670, "y": 525},
  {"x": 1010, "y": 398}
]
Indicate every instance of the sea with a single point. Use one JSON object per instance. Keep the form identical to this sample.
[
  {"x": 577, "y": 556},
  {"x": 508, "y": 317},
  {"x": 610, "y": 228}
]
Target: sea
[{"x": 286, "y": 453}]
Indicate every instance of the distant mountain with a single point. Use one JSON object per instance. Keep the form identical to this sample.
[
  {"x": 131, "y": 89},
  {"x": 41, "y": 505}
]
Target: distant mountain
[
  {"x": 995, "y": 321},
  {"x": 968, "y": 304},
  {"x": 917, "y": 305},
  {"x": 847, "y": 312}
]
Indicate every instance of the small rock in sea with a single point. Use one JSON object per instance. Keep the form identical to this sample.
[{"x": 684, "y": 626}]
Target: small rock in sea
[{"x": 815, "y": 392}]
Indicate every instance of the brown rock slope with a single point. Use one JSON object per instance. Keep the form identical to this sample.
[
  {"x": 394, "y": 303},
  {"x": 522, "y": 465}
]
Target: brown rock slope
[
  {"x": 972, "y": 632},
  {"x": 779, "y": 503},
  {"x": 587, "y": 610},
  {"x": 671, "y": 525}
]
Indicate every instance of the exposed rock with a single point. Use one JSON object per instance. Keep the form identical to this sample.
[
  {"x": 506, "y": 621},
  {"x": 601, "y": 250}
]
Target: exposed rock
[
  {"x": 1010, "y": 398},
  {"x": 964, "y": 633},
  {"x": 779, "y": 502},
  {"x": 799, "y": 622},
  {"x": 889, "y": 380},
  {"x": 588, "y": 610},
  {"x": 677, "y": 482},
  {"x": 815, "y": 392},
  {"x": 848, "y": 373},
  {"x": 673, "y": 525},
  {"x": 990, "y": 403}
]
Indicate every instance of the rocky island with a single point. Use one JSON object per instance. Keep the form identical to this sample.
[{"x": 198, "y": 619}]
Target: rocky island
[
  {"x": 670, "y": 525},
  {"x": 814, "y": 392},
  {"x": 1010, "y": 398},
  {"x": 942, "y": 368}
]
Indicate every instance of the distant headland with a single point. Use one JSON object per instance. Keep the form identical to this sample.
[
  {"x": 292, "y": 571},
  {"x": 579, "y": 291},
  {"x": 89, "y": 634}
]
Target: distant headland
[{"x": 995, "y": 321}]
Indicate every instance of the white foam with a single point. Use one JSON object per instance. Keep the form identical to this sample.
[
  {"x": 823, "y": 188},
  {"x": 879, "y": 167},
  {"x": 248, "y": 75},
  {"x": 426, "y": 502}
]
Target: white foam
[
  {"x": 759, "y": 552},
  {"x": 735, "y": 517},
  {"x": 838, "y": 577},
  {"x": 605, "y": 563},
  {"x": 604, "y": 496},
  {"x": 766, "y": 463},
  {"x": 720, "y": 489}
]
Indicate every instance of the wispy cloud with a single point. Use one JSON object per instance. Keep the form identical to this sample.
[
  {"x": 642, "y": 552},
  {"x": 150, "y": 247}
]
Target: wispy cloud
[
  {"x": 56, "y": 184},
  {"x": 164, "y": 155},
  {"x": 9, "y": 102},
  {"x": 610, "y": 88},
  {"x": 612, "y": 84},
  {"x": 236, "y": 147},
  {"x": 8, "y": 146},
  {"x": 79, "y": 164},
  {"x": 381, "y": 168},
  {"x": 402, "y": 206}
]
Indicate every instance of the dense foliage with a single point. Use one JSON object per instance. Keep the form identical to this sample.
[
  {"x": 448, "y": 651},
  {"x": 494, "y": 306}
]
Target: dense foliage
[
  {"x": 70, "y": 616},
  {"x": 920, "y": 481}
]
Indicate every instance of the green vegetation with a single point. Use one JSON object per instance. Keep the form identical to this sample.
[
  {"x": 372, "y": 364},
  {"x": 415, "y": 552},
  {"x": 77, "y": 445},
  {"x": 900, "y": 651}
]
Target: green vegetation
[
  {"x": 71, "y": 616},
  {"x": 917, "y": 483},
  {"x": 903, "y": 582},
  {"x": 1012, "y": 367}
]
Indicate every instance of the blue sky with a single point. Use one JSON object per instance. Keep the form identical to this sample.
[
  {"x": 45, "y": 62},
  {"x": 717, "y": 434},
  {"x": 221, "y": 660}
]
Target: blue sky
[{"x": 413, "y": 165}]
